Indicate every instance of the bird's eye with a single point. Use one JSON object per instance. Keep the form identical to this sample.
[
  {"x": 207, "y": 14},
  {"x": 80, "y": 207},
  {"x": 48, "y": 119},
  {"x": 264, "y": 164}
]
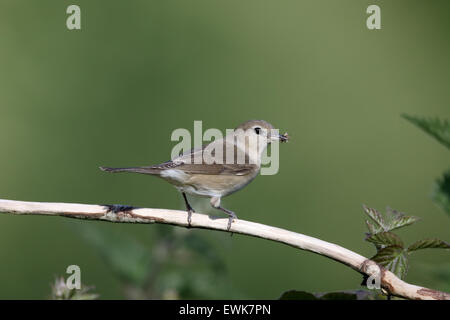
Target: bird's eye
[{"x": 258, "y": 130}]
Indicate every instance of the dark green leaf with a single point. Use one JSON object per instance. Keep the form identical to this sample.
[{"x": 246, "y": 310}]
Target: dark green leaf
[
  {"x": 385, "y": 239},
  {"x": 428, "y": 243},
  {"x": 338, "y": 295},
  {"x": 438, "y": 129},
  {"x": 394, "y": 259},
  {"x": 297, "y": 295},
  {"x": 441, "y": 192}
]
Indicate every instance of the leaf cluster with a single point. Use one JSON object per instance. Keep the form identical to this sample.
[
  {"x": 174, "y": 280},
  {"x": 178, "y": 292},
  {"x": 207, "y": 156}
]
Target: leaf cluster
[{"x": 391, "y": 250}]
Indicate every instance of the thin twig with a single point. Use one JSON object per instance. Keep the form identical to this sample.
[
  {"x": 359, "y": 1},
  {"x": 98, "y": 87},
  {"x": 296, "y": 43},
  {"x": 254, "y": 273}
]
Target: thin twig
[{"x": 389, "y": 282}]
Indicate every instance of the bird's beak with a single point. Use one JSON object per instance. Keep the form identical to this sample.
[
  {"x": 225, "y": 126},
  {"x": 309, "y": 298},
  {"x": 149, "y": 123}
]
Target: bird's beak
[{"x": 280, "y": 137}]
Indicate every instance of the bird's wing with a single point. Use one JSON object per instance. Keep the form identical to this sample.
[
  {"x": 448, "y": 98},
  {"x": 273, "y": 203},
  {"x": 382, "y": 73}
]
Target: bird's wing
[
  {"x": 209, "y": 169},
  {"x": 187, "y": 161},
  {"x": 209, "y": 149},
  {"x": 217, "y": 169}
]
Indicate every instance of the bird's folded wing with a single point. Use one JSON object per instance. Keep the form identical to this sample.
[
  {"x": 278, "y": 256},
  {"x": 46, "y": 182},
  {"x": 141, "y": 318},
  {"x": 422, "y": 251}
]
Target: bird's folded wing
[
  {"x": 209, "y": 169},
  {"x": 218, "y": 169}
]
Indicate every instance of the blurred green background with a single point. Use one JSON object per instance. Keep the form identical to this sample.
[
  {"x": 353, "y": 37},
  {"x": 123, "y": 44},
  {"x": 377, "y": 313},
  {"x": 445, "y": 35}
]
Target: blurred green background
[{"x": 112, "y": 93}]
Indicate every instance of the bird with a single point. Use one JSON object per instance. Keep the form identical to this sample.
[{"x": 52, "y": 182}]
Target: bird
[{"x": 209, "y": 171}]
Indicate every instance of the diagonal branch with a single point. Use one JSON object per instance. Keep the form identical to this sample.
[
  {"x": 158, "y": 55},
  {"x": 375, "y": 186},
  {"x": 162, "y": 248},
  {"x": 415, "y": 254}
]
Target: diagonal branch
[{"x": 389, "y": 282}]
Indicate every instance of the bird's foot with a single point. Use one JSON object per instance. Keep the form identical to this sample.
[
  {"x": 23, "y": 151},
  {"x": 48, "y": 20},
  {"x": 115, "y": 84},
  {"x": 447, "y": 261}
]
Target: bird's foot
[
  {"x": 231, "y": 217},
  {"x": 190, "y": 210}
]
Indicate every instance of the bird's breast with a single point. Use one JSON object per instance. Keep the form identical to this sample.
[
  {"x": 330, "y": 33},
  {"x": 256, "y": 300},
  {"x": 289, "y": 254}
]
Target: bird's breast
[{"x": 216, "y": 185}]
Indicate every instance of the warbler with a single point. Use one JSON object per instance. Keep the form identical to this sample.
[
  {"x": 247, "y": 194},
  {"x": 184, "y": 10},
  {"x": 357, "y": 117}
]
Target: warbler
[{"x": 216, "y": 169}]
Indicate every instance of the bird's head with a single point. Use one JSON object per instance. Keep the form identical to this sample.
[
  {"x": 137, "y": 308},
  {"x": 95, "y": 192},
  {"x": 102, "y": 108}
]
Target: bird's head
[
  {"x": 253, "y": 136},
  {"x": 261, "y": 130}
]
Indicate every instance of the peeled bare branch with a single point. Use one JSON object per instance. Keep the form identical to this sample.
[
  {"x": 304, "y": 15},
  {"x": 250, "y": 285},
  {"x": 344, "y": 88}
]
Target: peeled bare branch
[{"x": 388, "y": 281}]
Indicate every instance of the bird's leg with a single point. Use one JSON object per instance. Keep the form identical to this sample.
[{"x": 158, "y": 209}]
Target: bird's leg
[
  {"x": 231, "y": 216},
  {"x": 215, "y": 202},
  {"x": 188, "y": 208}
]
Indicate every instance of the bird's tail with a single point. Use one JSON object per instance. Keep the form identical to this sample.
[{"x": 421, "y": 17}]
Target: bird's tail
[{"x": 143, "y": 170}]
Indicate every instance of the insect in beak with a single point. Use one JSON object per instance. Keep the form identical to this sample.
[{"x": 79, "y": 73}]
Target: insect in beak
[{"x": 284, "y": 137}]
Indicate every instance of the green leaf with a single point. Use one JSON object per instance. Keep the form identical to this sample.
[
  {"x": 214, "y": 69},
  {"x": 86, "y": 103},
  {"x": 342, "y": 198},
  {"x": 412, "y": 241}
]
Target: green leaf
[
  {"x": 398, "y": 219},
  {"x": 441, "y": 192},
  {"x": 375, "y": 216},
  {"x": 372, "y": 228},
  {"x": 394, "y": 259},
  {"x": 438, "y": 129},
  {"x": 428, "y": 243},
  {"x": 338, "y": 295},
  {"x": 393, "y": 220},
  {"x": 402, "y": 221},
  {"x": 297, "y": 295},
  {"x": 385, "y": 239}
]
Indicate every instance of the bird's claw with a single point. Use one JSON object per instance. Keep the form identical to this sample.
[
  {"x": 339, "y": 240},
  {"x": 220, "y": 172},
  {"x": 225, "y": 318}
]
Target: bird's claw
[
  {"x": 189, "y": 217},
  {"x": 231, "y": 218},
  {"x": 190, "y": 210}
]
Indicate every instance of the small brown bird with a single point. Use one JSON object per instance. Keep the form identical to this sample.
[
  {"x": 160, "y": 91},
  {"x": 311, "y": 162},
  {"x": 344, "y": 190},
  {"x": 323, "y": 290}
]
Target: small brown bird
[{"x": 208, "y": 172}]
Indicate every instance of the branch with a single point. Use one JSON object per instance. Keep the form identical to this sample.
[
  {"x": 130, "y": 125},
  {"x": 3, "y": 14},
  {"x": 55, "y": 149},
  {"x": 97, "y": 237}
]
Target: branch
[{"x": 389, "y": 282}]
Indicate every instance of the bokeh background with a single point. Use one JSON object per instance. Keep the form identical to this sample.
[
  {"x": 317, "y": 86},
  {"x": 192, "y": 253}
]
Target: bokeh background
[{"x": 112, "y": 93}]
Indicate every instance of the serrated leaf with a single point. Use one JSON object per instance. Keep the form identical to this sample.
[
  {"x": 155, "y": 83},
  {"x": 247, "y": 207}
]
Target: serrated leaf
[
  {"x": 372, "y": 228},
  {"x": 393, "y": 220},
  {"x": 441, "y": 192},
  {"x": 396, "y": 219},
  {"x": 438, "y": 129},
  {"x": 394, "y": 259},
  {"x": 428, "y": 243},
  {"x": 375, "y": 216},
  {"x": 385, "y": 239},
  {"x": 401, "y": 220}
]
